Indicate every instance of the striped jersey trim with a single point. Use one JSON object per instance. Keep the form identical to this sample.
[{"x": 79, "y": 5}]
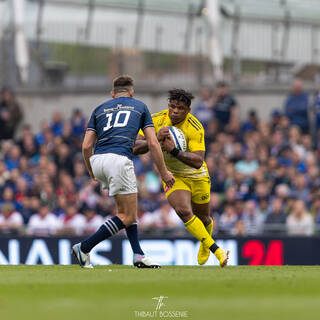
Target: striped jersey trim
[
  {"x": 197, "y": 128},
  {"x": 116, "y": 137},
  {"x": 196, "y": 123}
]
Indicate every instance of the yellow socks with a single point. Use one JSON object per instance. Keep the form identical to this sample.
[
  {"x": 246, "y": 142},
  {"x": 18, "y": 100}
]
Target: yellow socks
[
  {"x": 209, "y": 228},
  {"x": 203, "y": 234},
  {"x": 198, "y": 230},
  {"x": 204, "y": 252}
]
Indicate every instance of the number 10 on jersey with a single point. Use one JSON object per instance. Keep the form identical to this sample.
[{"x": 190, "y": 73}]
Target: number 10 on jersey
[{"x": 117, "y": 122}]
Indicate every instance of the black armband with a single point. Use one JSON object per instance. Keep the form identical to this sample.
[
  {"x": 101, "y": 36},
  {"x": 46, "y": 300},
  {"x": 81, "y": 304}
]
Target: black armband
[{"x": 174, "y": 151}]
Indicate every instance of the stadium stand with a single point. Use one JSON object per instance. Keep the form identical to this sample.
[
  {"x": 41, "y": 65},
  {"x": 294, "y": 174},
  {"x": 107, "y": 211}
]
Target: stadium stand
[{"x": 265, "y": 179}]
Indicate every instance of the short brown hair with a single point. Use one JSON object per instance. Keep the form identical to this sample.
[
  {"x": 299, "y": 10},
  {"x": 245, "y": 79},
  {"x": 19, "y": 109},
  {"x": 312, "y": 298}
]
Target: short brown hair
[{"x": 123, "y": 83}]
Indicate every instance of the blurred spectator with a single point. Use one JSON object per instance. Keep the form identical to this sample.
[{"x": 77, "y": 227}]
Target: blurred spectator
[
  {"x": 165, "y": 217},
  {"x": 248, "y": 166},
  {"x": 275, "y": 118},
  {"x": 27, "y": 142},
  {"x": 88, "y": 195},
  {"x": 215, "y": 205},
  {"x": 296, "y": 106},
  {"x": 315, "y": 210},
  {"x": 239, "y": 207},
  {"x": 230, "y": 195},
  {"x": 106, "y": 205},
  {"x": 300, "y": 189},
  {"x": 203, "y": 109},
  {"x": 93, "y": 220},
  {"x": 143, "y": 164},
  {"x": 57, "y": 123},
  {"x": 72, "y": 222},
  {"x": 277, "y": 143},
  {"x": 239, "y": 229},
  {"x": 8, "y": 195},
  {"x": 269, "y": 164},
  {"x": 80, "y": 176},
  {"x": 252, "y": 219},
  {"x": 263, "y": 207},
  {"x": 251, "y": 123},
  {"x": 4, "y": 174},
  {"x": 300, "y": 221},
  {"x": 63, "y": 159},
  {"x": 10, "y": 219},
  {"x": 30, "y": 206},
  {"x": 13, "y": 158},
  {"x": 228, "y": 219},
  {"x": 10, "y": 114},
  {"x": 288, "y": 207},
  {"x": 40, "y": 136},
  {"x": 67, "y": 187},
  {"x": 224, "y": 105},
  {"x": 78, "y": 123},
  {"x": 282, "y": 191},
  {"x": 61, "y": 205},
  {"x": 275, "y": 221},
  {"x": 44, "y": 223},
  {"x": 316, "y": 106},
  {"x": 211, "y": 132}
]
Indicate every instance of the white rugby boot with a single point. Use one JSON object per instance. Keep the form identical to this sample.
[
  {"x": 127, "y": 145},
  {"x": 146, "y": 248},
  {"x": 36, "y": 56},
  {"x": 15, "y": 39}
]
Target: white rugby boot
[
  {"x": 83, "y": 258},
  {"x": 144, "y": 261}
]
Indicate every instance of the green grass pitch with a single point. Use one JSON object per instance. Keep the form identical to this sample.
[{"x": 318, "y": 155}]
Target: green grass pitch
[{"x": 116, "y": 292}]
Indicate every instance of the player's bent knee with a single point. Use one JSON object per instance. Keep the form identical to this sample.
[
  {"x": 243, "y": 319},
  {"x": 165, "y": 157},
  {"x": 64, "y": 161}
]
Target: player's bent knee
[
  {"x": 184, "y": 213},
  {"x": 126, "y": 219},
  {"x": 205, "y": 219}
]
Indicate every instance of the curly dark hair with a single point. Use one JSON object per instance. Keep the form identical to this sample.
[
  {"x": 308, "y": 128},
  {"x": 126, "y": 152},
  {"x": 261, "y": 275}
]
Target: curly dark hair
[{"x": 180, "y": 95}]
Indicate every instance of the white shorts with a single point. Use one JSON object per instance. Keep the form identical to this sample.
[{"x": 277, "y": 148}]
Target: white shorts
[{"x": 115, "y": 173}]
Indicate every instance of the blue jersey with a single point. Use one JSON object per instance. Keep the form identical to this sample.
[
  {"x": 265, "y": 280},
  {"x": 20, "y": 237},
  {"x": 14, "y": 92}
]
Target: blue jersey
[{"x": 117, "y": 123}]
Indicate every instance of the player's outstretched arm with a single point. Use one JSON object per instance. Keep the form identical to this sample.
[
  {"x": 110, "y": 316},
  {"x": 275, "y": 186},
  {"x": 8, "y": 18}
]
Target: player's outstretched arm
[
  {"x": 87, "y": 149},
  {"x": 140, "y": 146},
  {"x": 157, "y": 156},
  {"x": 193, "y": 159}
]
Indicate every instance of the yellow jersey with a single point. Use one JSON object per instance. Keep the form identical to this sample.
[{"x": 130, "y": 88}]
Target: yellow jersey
[{"x": 194, "y": 134}]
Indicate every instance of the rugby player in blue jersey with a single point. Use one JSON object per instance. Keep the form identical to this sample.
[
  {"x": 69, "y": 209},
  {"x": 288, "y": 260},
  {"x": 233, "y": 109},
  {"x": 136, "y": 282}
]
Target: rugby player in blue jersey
[{"x": 107, "y": 151}]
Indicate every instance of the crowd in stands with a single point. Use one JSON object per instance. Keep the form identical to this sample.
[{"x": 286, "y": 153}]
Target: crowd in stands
[{"x": 264, "y": 172}]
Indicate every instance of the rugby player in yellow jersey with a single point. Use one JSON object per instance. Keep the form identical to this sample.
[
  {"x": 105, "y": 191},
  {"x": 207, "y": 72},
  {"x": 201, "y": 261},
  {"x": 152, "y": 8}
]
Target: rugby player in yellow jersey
[{"x": 190, "y": 195}]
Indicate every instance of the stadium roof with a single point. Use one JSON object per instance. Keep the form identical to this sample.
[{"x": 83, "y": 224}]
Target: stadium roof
[
  {"x": 299, "y": 10},
  {"x": 305, "y": 11},
  {"x": 170, "y": 6}
]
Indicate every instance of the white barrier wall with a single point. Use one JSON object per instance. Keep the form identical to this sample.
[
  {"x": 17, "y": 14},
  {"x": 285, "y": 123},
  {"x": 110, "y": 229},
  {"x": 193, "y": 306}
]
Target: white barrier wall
[{"x": 39, "y": 107}]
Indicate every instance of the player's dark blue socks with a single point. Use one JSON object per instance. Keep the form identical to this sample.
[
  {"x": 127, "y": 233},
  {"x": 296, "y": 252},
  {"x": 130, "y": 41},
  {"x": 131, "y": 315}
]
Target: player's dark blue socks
[
  {"x": 132, "y": 234},
  {"x": 108, "y": 229}
]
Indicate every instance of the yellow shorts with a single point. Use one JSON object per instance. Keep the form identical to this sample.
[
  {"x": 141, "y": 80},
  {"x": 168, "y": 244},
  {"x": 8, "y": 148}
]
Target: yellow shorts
[{"x": 199, "y": 188}]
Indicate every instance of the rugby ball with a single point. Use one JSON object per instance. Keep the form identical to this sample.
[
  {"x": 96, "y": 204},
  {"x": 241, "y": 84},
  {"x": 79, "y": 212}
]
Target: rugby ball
[{"x": 178, "y": 138}]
